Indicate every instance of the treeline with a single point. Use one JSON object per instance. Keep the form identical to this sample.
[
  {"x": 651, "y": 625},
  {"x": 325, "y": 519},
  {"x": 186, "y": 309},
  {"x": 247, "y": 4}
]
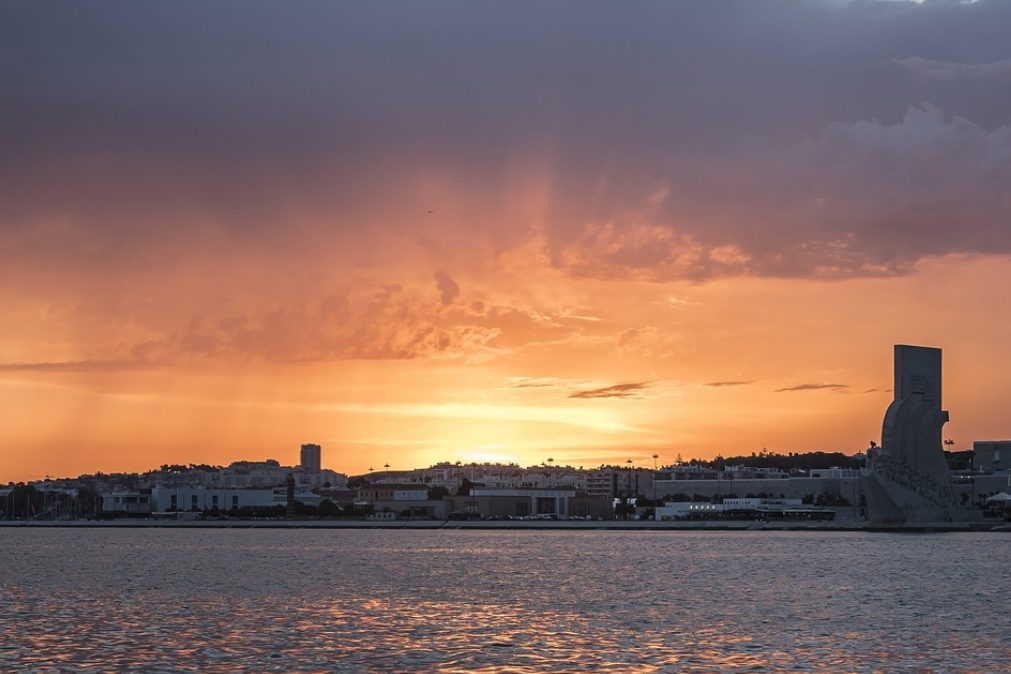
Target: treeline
[
  {"x": 787, "y": 462},
  {"x": 807, "y": 461},
  {"x": 959, "y": 460}
]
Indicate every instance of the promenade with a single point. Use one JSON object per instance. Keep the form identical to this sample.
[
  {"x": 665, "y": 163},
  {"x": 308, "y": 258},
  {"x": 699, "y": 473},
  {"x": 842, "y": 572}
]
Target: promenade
[{"x": 563, "y": 525}]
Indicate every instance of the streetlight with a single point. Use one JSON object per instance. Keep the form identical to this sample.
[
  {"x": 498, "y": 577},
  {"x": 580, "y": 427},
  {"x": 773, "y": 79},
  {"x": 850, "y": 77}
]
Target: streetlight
[
  {"x": 655, "y": 457},
  {"x": 632, "y": 487}
]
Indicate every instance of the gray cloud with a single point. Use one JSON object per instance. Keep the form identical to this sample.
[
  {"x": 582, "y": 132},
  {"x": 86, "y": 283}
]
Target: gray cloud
[
  {"x": 534, "y": 382},
  {"x": 135, "y": 130},
  {"x": 77, "y": 366},
  {"x": 926, "y": 69},
  {"x": 627, "y": 390},
  {"x": 814, "y": 387},
  {"x": 720, "y": 384}
]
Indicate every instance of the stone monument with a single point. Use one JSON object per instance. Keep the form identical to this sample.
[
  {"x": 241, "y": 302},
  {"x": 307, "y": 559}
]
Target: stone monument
[{"x": 907, "y": 479}]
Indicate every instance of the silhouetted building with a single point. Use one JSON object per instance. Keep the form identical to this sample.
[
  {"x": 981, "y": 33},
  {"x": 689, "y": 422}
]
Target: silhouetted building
[
  {"x": 991, "y": 456},
  {"x": 310, "y": 458},
  {"x": 618, "y": 482}
]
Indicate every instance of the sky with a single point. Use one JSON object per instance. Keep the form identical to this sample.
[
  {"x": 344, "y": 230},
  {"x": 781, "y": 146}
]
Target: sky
[{"x": 481, "y": 231}]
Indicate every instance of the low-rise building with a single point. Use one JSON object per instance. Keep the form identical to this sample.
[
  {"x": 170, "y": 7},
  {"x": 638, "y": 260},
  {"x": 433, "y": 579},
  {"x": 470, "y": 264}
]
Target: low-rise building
[
  {"x": 171, "y": 498},
  {"x": 392, "y": 492},
  {"x": 842, "y": 489},
  {"x": 990, "y": 456},
  {"x": 136, "y": 502},
  {"x": 549, "y": 503},
  {"x": 426, "y": 509},
  {"x": 742, "y": 508}
]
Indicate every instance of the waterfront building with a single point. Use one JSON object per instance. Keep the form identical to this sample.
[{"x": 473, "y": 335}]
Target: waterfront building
[
  {"x": 136, "y": 502},
  {"x": 742, "y": 508},
  {"x": 392, "y": 492},
  {"x": 172, "y": 498},
  {"x": 546, "y": 503},
  {"x": 834, "y": 485},
  {"x": 408, "y": 501}
]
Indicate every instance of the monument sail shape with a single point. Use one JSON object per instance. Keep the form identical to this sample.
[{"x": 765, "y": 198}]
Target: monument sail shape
[{"x": 907, "y": 479}]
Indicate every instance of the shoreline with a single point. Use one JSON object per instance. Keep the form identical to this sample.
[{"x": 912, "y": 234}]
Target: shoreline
[{"x": 560, "y": 525}]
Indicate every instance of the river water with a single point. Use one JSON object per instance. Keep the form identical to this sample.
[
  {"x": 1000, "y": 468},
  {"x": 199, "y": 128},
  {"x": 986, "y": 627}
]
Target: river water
[{"x": 294, "y": 600}]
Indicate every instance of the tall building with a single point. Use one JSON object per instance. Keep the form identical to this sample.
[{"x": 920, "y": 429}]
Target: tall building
[{"x": 309, "y": 458}]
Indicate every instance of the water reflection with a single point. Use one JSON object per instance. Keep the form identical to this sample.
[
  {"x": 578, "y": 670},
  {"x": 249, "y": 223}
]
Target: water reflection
[{"x": 393, "y": 601}]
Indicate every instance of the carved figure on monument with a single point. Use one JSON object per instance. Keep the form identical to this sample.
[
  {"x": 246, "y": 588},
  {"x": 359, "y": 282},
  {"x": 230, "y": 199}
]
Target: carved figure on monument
[{"x": 907, "y": 479}]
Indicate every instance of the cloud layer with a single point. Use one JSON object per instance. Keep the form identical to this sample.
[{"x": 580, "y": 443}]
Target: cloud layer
[{"x": 660, "y": 141}]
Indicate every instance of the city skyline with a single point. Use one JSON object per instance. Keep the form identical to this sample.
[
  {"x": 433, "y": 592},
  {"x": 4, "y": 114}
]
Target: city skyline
[{"x": 487, "y": 232}]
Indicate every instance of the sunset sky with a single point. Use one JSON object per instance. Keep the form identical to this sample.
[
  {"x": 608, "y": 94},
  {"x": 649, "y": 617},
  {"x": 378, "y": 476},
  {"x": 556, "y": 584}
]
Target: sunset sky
[{"x": 422, "y": 231}]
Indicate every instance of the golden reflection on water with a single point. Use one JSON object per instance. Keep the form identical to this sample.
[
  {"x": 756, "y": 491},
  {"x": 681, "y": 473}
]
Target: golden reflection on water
[{"x": 546, "y": 603}]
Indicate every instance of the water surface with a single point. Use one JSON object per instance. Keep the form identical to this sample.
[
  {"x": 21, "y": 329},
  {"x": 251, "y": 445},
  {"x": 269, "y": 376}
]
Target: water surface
[{"x": 297, "y": 600}]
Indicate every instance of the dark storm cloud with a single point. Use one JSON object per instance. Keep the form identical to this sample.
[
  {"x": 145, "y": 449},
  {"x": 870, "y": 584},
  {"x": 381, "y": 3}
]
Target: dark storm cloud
[{"x": 691, "y": 139}]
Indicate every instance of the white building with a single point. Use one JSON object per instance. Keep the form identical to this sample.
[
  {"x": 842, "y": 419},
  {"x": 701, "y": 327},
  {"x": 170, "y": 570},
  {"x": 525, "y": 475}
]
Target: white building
[
  {"x": 170, "y": 498},
  {"x": 741, "y": 508},
  {"x": 132, "y": 502}
]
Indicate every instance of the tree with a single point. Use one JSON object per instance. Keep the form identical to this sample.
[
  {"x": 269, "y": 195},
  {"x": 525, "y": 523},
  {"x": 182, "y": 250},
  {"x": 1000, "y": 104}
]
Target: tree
[{"x": 328, "y": 508}]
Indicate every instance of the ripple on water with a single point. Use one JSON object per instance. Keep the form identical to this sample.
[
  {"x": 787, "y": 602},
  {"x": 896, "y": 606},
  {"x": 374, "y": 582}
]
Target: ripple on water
[{"x": 470, "y": 601}]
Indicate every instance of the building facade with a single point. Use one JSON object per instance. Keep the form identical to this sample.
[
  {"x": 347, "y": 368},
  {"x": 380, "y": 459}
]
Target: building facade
[
  {"x": 991, "y": 456},
  {"x": 309, "y": 458}
]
